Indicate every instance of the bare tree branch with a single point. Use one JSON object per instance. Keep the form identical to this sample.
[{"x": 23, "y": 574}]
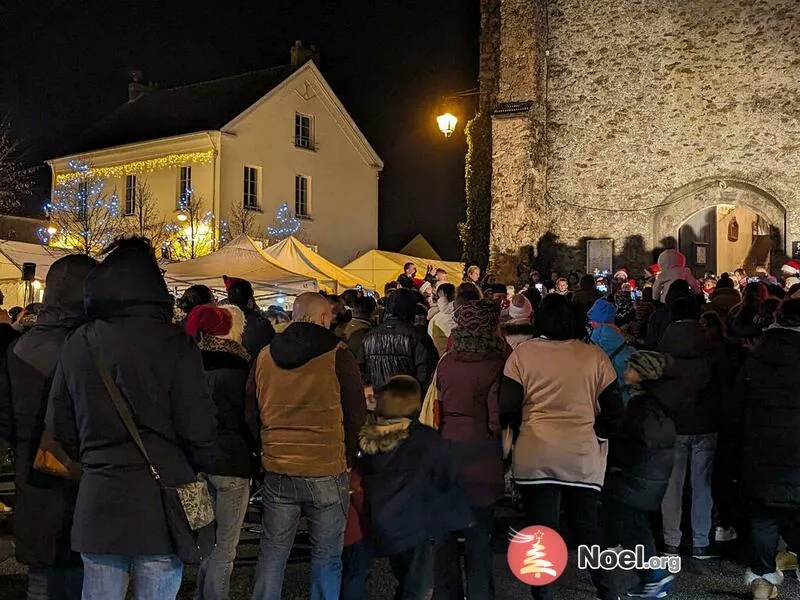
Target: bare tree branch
[
  {"x": 147, "y": 220},
  {"x": 16, "y": 180},
  {"x": 194, "y": 235}
]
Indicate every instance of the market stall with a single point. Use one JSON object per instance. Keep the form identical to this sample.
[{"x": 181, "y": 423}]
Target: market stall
[
  {"x": 379, "y": 267},
  {"x": 13, "y": 255}
]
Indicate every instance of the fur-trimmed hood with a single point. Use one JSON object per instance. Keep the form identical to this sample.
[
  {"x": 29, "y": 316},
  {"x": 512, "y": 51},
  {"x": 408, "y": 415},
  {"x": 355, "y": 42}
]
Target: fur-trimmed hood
[
  {"x": 520, "y": 326},
  {"x": 384, "y": 435}
]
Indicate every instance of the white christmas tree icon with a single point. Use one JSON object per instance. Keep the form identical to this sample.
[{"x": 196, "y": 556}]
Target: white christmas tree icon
[{"x": 535, "y": 562}]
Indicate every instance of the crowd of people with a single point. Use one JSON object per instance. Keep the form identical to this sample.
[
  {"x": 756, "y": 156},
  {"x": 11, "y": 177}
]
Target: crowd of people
[{"x": 391, "y": 424}]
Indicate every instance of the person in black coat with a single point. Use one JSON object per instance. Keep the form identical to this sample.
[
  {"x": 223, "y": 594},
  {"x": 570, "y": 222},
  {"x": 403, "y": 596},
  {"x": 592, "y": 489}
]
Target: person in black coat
[
  {"x": 258, "y": 331},
  {"x": 397, "y": 347},
  {"x": 44, "y": 503},
  {"x": 767, "y": 419},
  {"x": 119, "y": 523},
  {"x": 661, "y": 318},
  {"x": 218, "y": 331},
  {"x": 693, "y": 390},
  {"x": 410, "y": 486},
  {"x": 639, "y": 467}
]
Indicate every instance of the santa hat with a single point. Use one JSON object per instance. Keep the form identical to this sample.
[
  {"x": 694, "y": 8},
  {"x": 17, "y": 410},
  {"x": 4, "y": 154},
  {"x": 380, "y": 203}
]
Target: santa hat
[
  {"x": 653, "y": 269},
  {"x": 226, "y": 322},
  {"x": 632, "y": 283},
  {"x": 621, "y": 274},
  {"x": 426, "y": 288},
  {"x": 520, "y": 307},
  {"x": 792, "y": 267}
]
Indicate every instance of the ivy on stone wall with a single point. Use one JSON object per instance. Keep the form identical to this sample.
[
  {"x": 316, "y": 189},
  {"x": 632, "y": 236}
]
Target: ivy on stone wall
[{"x": 474, "y": 232}]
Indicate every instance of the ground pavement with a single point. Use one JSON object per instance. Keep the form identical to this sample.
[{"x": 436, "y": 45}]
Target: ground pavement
[{"x": 706, "y": 580}]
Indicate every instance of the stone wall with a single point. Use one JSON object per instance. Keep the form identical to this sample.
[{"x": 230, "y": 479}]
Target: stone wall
[{"x": 648, "y": 98}]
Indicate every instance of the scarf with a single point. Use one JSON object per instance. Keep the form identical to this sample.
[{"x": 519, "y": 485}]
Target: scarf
[{"x": 211, "y": 343}]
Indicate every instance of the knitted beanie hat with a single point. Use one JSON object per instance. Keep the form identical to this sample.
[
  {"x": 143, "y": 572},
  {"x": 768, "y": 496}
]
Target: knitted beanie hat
[
  {"x": 649, "y": 365},
  {"x": 478, "y": 314},
  {"x": 520, "y": 307}
]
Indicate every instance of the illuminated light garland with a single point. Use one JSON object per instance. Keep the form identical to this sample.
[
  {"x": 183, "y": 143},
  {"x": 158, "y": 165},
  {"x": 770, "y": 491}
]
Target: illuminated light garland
[
  {"x": 80, "y": 170},
  {"x": 285, "y": 224}
]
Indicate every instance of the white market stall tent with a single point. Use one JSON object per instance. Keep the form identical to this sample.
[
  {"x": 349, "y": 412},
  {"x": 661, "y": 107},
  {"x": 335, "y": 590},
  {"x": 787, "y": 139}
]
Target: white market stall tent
[
  {"x": 243, "y": 258},
  {"x": 13, "y": 255},
  {"x": 292, "y": 254},
  {"x": 379, "y": 267}
]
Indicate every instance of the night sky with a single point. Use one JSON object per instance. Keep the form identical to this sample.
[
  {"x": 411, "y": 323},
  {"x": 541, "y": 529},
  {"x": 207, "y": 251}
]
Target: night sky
[{"x": 65, "y": 63}]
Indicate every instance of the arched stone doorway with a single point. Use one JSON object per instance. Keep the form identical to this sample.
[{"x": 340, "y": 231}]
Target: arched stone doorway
[{"x": 722, "y": 224}]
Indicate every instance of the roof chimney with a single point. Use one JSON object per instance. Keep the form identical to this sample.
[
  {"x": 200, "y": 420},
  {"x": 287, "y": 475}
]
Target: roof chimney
[
  {"x": 137, "y": 89},
  {"x": 301, "y": 55}
]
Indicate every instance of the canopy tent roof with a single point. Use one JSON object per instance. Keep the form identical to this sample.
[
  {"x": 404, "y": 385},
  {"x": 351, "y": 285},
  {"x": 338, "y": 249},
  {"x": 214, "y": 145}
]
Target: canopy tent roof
[
  {"x": 13, "y": 254},
  {"x": 419, "y": 246},
  {"x": 299, "y": 258},
  {"x": 379, "y": 267},
  {"x": 242, "y": 258}
]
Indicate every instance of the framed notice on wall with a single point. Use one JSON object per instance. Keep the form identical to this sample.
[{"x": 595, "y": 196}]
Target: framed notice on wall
[
  {"x": 700, "y": 254},
  {"x": 599, "y": 255}
]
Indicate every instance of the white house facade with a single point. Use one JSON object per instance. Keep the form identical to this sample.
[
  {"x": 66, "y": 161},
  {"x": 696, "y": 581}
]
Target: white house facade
[{"x": 248, "y": 142}]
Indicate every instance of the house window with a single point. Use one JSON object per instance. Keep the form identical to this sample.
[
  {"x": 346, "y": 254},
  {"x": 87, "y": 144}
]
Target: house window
[
  {"x": 130, "y": 194},
  {"x": 250, "y": 197},
  {"x": 303, "y": 131},
  {"x": 184, "y": 184},
  {"x": 301, "y": 205}
]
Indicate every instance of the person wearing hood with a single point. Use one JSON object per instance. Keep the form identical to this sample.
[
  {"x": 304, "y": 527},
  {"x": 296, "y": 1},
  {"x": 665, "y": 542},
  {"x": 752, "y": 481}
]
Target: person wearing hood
[
  {"x": 306, "y": 405},
  {"x": 660, "y": 319},
  {"x": 355, "y": 330},
  {"x": 607, "y": 336},
  {"x": 672, "y": 267},
  {"x": 693, "y": 389},
  {"x": 119, "y": 524},
  {"x": 44, "y": 503},
  {"x": 639, "y": 468},
  {"x": 587, "y": 293},
  {"x": 218, "y": 331},
  {"x": 410, "y": 479},
  {"x": 468, "y": 379},
  {"x": 258, "y": 331},
  {"x": 519, "y": 327},
  {"x": 443, "y": 322},
  {"x": 767, "y": 421},
  {"x": 396, "y": 346}
]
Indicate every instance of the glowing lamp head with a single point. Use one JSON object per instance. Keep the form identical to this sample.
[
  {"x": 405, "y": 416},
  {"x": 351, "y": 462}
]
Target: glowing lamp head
[
  {"x": 37, "y": 285},
  {"x": 447, "y": 123},
  {"x": 182, "y": 217},
  {"x": 52, "y": 230}
]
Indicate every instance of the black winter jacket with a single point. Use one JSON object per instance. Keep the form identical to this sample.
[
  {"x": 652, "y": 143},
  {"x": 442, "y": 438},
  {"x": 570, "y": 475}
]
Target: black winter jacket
[
  {"x": 258, "y": 331},
  {"x": 43, "y": 504},
  {"x": 159, "y": 371},
  {"x": 410, "y": 485},
  {"x": 397, "y": 347},
  {"x": 767, "y": 418},
  {"x": 694, "y": 384},
  {"x": 641, "y": 458},
  {"x": 227, "y": 366}
]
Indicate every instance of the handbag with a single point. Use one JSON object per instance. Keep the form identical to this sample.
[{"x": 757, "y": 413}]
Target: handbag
[
  {"x": 188, "y": 509},
  {"x": 429, "y": 414},
  {"x": 53, "y": 460}
]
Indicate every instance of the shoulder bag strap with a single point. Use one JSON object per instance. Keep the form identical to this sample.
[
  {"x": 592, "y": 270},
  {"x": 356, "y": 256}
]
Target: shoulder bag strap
[{"x": 120, "y": 405}]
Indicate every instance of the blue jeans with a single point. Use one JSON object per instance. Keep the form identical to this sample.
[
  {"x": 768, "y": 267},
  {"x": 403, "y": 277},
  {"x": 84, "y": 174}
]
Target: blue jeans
[
  {"x": 356, "y": 569},
  {"x": 324, "y": 501},
  {"x": 700, "y": 450},
  {"x": 106, "y": 577},
  {"x": 231, "y": 496}
]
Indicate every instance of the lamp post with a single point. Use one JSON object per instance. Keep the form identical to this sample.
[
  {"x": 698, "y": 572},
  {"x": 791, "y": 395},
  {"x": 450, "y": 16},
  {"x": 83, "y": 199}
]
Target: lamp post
[{"x": 447, "y": 121}]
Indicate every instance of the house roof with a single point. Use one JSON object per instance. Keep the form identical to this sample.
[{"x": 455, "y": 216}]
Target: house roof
[{"x": 160, "y": 113}]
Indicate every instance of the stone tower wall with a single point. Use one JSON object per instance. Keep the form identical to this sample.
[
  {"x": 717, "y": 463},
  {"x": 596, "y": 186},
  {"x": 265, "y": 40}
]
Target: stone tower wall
[{"x": 650, "y": 103}]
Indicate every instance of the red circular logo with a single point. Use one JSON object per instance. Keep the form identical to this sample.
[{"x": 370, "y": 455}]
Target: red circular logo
[{"x": 537, "y": 555}]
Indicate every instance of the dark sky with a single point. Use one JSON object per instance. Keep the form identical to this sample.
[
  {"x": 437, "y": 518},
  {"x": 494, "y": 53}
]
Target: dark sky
[{"x": 64, "y": 64}]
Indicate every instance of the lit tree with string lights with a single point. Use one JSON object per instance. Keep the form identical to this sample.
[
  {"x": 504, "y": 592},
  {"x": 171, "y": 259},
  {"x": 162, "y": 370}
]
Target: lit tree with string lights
[
  {"x": 284, "y": 225},
  {"x": 193, "y": 234},
  {"x": 15, "y": 179},
  {"x": 146, "y": 220},
  {"x": 83, "y": 216},
  {"x": 240, "y": 221}
]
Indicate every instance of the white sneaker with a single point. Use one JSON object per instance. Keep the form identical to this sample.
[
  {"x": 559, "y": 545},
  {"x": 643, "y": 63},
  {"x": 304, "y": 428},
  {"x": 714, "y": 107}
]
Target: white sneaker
[{"x": 725, "y": 534}]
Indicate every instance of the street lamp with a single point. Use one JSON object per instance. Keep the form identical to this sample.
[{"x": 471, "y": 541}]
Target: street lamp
[
  {"x": 447, "y": 123},
  {"x": 52, "y": 230},
  {"x": 182, "y": 217}
]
